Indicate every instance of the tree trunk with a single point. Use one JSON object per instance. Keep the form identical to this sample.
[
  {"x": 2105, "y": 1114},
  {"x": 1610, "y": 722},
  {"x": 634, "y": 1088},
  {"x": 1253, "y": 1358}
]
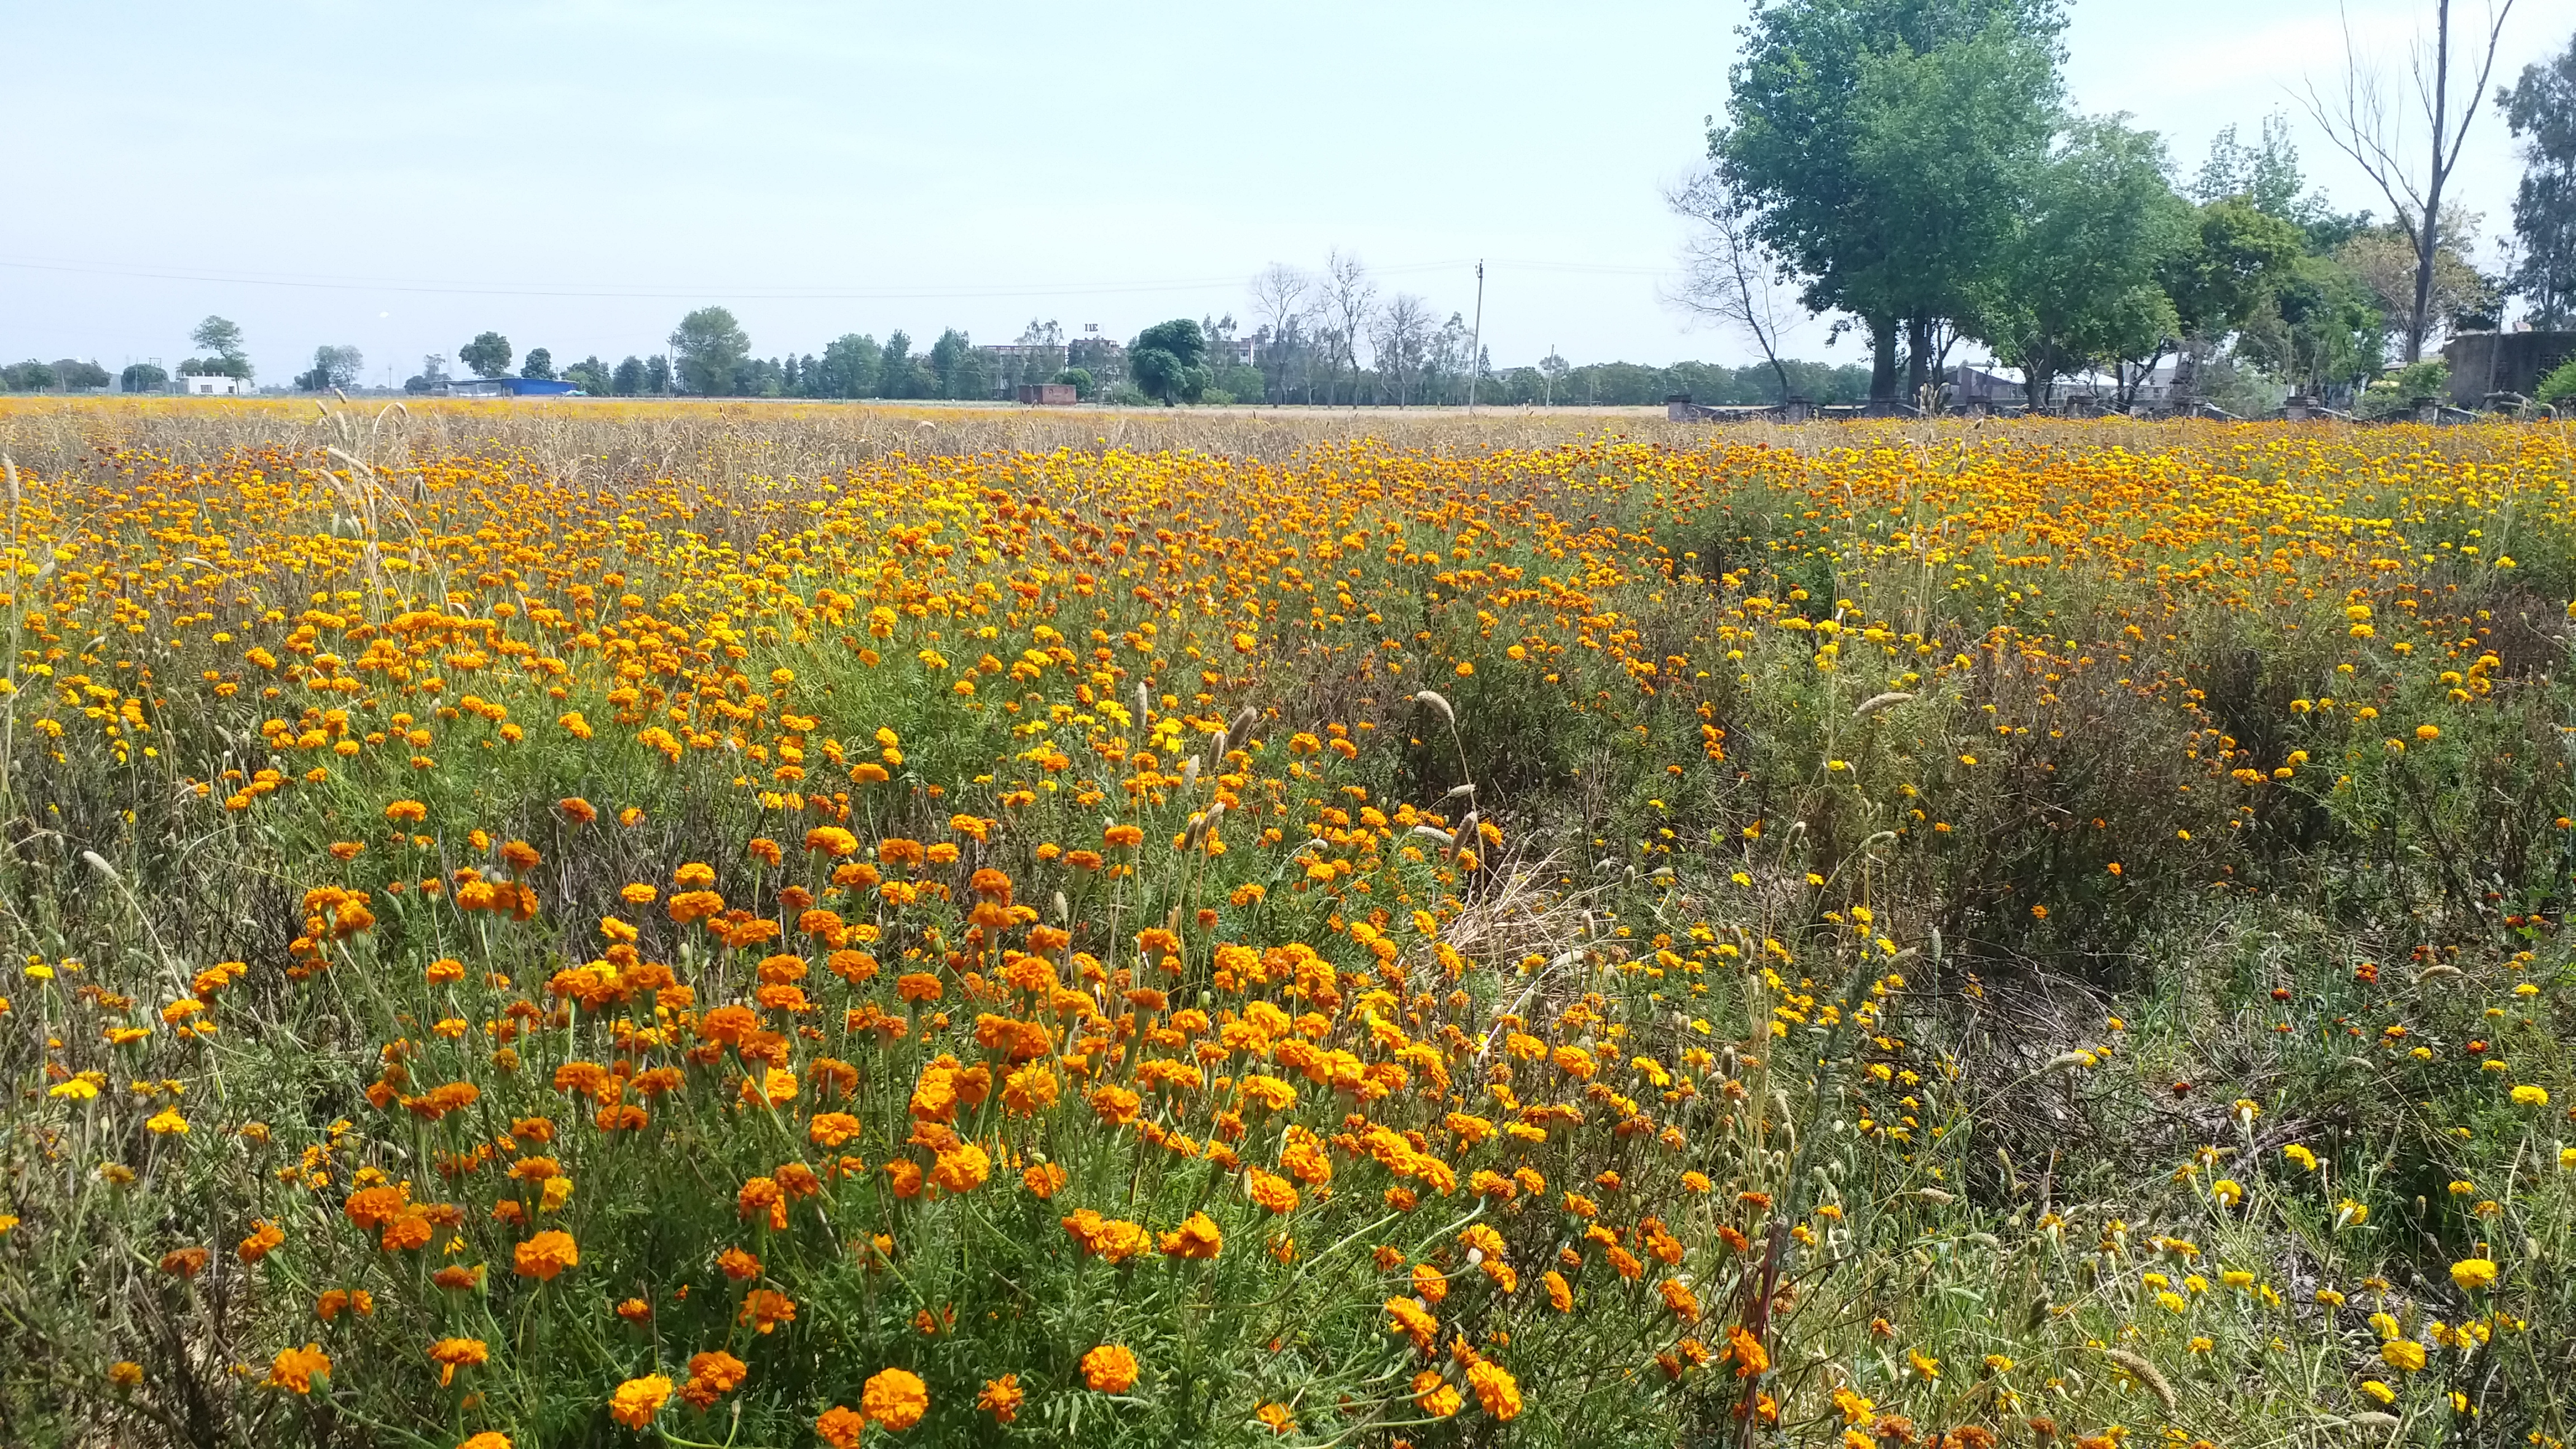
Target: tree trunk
[
  {"x": 2429, "y": 226},
  {"x": 1882, "y": 366},
  {"x": 1918, "y": 357}
]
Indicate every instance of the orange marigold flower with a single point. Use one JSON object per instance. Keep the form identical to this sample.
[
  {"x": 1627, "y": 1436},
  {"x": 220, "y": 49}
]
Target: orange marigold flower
[
  {"x": 294, "y": 1368},
  {"x": 962, "y": 1168},
  {"x": 1002, "y": 1398},
  {"x": 184, "y": 1262},
  {"x": 545, "y": 1255},
  {"x": 718, "y": 1370},
  {"x": 451, "y": 1354},
  {"x": 1197, "y": 1238},
  {"x": 764, "y": 1309},
  {"x": 488, "y": 1439},
  {"x": 831, "y": 840},
  {"x": 637, "y": 1402},
  {"x": 1044, "y": 1178},
  {"x": 264, "y": 1238},
  {"x": 1497, "y": 1392},
  {"x": 841, "y": 1427},
  {"x": 894, "y": 1398},
  {"x": 1109, "y": 1369},
  {"x": 1433, "y": 1394}
]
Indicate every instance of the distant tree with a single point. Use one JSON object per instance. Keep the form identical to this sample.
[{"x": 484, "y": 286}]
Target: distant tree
[
  {"x": 223, "y": 341},
  {"x": 897, "y": 377},
  {"x": 27, "y": 376},
  {"x": 2079, "y": 285},
  {"x": 657, "y": 375},
  {"x": 709, "y": 346},
  {"x": 1165, "y": 361},
  {"x": 958, "y": 368},
  {"x": 2319, "y": 328},
  {"x": 332, "y": 367},
  {"x": 847, "y": 368},
  {"x": 628, "y": 380},
  {"x": 1728, "y": 275},
  {"x": 793, "y": 370},
  {"x": 221, "y": 338},
  {"x": 488, "y": 355},
  {"x": 1401, "y": 341},
  {"x": 1345, "y": 301},
  {"x": 2541, "y": 112},
  {"x": 1080, "y": 380},
  {"x": 74, "y": 375},
  {"x": 431, "y": 377},
  {"x": 1281, "y": 298},
  {"x": 539, "y": 365},
  {"x": 142, "y": 377},
  {"x": 590, "y": 375},
  {"x": 2236, "y": 255},
  {"x": 2384, "y": 258},
  {"x": 2363, "y": 123}
]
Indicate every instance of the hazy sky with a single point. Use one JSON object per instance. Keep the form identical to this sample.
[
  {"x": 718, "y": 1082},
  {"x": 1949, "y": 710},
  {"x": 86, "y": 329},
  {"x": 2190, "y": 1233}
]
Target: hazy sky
[{"x": 577, "y": 175}]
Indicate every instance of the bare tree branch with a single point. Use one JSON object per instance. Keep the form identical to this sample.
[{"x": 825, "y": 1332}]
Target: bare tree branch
[{"x": 1727, "y": 275}]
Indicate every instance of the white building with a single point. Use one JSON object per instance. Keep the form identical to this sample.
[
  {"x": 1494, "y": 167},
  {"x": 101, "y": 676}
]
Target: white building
[{"x": 211, "y": 385}]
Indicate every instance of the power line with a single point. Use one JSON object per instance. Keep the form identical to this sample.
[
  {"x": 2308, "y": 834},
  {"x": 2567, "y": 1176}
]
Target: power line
[{"x": 754, "y": 292}]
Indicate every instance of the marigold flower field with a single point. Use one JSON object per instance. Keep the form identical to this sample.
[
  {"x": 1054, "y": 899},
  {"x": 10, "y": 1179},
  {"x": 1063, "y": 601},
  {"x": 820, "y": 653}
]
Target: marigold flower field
[{"x": 780, "y": 928}]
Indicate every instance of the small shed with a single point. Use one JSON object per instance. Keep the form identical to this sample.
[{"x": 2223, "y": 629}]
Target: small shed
[
  {"x": 1045, "y": 394},
  {"x": 210, "y": 384}
]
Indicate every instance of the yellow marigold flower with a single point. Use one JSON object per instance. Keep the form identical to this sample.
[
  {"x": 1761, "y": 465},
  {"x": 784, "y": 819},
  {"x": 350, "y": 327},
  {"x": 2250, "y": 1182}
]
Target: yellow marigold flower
[
  {"x": 2474, "y": 1274},
  {"x": 2402, "y": 1353},
  {"x": 2528, "y": 1095},
  {"x": 637, "y": 1402}
]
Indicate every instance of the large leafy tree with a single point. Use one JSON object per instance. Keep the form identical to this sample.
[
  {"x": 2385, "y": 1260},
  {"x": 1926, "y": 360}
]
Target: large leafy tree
[
  {"x": 2079, "y": 283},
  {"x": 710, "y": 347},
  {"x": 847, "y": 368},
  {"x": 1165, "y": 361},
  {"x": 2541, "y": 112},
  {"x": 488, "y": 355},
  {"x": 1885, "y": 146},
  {"x": 2235, "y": 254},
  {"x": 222, "y": 339}
]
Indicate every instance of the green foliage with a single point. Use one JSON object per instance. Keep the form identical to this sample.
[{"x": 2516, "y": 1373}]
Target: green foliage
[
  {"x": 2079, "y": 281},
  {"x": 1886, "y": 144},
  {"x": 488, "y": 355},
  {"x": 1080, "y": 380},
  {"x": 592, "y": 376},
  {"x": 221, "y": 337},
  {"x": 2235, "y": 259},
  {"x": 2540, "y": 109},
  {"x": 849, "y": 367},
  {"x": 708, "y": 347},
  {"x": 27, "y": 376},
  {"x": 2559, "y": 386},
  {"x": 1164, "y": 361},
  {"x": 143, "y": 377},
  {"x": 539, "y": 365}
]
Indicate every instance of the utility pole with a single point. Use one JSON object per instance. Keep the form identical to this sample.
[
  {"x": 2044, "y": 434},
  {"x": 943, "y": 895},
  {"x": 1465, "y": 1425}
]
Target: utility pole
[{"x": 1476, "y": 340}]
